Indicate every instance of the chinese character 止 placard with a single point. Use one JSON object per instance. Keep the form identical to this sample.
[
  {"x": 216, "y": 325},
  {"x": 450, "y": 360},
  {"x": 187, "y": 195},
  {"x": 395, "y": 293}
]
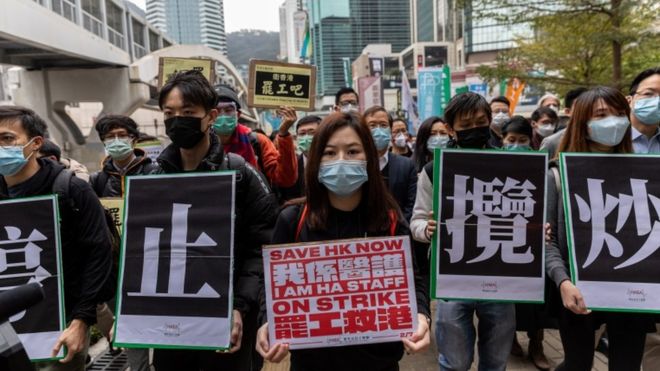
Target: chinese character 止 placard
[
  {"x": 168, "y": 66},
  {"x": 274, "y": 84},
  {"x": 613, "y": 220},
  {"x": 490, "y": 207},
  {"x": 115, "y": 206},
  {"x": 176, "y": 262},
  {"x": 30, "y": 252},
  {"x": 337, "y": 293}
]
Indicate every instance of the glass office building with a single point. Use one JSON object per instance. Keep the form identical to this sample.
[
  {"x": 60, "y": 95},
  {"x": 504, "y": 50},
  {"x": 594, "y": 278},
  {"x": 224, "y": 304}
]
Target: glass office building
[
  {"x": 190, "y": 21},
  {"x": 342, "y": 28}
]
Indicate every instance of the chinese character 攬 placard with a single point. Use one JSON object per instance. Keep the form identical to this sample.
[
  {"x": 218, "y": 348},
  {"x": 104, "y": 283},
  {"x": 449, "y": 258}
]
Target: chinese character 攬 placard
[
  {"x": 613, "y": 228},
  {"x": 490, "y": 209},
  {"x": 30, "y": 252},
  {"x": 274, "y": 84},
  {"x": 176, "y": 262},
  {"x": 338, "y": 293}
]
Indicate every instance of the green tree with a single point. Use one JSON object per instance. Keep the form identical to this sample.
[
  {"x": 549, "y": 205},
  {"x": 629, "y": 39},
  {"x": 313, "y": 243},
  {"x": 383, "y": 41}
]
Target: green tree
[{"x": 575, "y": 42}]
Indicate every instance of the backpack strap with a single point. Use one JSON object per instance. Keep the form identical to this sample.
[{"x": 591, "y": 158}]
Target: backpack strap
[
  {"x": 98, "y": 181},
  {"x": 555, "y": 172},
  {"x": 61, "y": 186},
  {"x": 301, "y": 222},
  {"x": 393, "y": 222}
]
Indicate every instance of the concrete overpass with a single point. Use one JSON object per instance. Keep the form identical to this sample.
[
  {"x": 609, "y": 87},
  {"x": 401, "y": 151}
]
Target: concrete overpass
[{"x": 73, "y": 53}]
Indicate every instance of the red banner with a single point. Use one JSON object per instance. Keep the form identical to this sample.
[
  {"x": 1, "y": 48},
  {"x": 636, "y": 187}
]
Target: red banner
[{"x": 337, "y": 293}]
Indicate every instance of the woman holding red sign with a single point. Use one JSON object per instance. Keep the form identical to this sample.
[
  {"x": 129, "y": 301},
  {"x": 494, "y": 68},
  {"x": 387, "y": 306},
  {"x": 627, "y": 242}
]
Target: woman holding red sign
[{"x": 346, "y": 198}]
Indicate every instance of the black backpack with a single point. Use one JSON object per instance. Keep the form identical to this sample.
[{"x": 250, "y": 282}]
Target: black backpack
[{"x": 61, "y": 187}]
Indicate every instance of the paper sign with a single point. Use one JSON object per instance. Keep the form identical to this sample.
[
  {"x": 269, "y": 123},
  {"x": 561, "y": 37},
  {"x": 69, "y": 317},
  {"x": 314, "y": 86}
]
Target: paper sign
[
  {"x": 168, "y": 66},
  {"x": 338, "y": 293},
  {"x": 275, "y": 84}
]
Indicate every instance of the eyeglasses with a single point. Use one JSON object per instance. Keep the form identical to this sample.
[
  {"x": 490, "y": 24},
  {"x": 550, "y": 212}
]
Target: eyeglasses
[{"x": 648, "y": 94}]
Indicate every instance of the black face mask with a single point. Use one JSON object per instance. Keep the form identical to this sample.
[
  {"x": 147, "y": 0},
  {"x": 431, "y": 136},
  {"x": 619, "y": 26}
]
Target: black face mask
[
  {"x": 184, "y": 131},
  {"x": 476, "y": 138}
]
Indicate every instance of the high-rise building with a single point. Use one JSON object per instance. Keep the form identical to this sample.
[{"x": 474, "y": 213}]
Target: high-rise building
[
  {"x": 293, "y": 19},
  {"x": 342, "y": 28},
  {"x": 190, "y": 21},
  {"x": 435, "y": 20}
]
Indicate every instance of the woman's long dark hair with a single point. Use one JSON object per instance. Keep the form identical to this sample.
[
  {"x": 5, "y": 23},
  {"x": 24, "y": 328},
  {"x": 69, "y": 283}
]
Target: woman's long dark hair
[
  {"x": 421, "y": 154},
  {"x": 375, "y": 196}
]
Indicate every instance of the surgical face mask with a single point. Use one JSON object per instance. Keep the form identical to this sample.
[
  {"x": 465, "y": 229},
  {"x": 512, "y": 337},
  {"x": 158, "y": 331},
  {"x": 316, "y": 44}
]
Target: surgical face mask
[
  {"x": 225, "y": 124},
  {"x": 304, "y": 142},
  {"x": 647, "y": 110},
  {"x": 437, "y": 141},
  {"x": 12, "y": 159},
  {"x": 554, "y": 107},
  {"x": 608, "y": 131},
  {"x": 499, "y": 119},
  {"x": 348, "y": 108},
  {"x": 118, "y": 149},
  {"x": 476, "y": 138},
  {"x": 184, "y": 131},
  {"x": 382, "y": 137},
  {"x": 545, "y": 129},
  {"x": 517, "y": 147},
  {"x": 343, "y": 177},
  {"x": 400, "y": 141}
]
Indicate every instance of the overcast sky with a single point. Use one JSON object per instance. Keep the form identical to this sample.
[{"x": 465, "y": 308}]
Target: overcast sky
[{"x": 252, "y": 14}]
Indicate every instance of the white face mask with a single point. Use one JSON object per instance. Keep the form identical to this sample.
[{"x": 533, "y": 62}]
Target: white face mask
[
  {"x": 348, "y": 108},
  {"x": 400, "y": 141},
  {"x": 545, "y": 129},
  {"x": 499, "y": 119},
  {"x": 554, "y": 107}
]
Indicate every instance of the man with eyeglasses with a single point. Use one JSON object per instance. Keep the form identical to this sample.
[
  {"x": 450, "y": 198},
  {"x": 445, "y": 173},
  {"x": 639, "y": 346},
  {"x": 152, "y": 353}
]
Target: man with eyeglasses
[
  {"x": 119, "y": 135},
  {"x": 347, "y": 101},
  {"x": 644, "y": 102}
]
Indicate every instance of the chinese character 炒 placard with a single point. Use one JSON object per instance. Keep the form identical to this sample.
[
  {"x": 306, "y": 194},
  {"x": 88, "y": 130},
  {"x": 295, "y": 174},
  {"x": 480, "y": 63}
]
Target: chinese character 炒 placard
[{"x": 613, "y": 218}]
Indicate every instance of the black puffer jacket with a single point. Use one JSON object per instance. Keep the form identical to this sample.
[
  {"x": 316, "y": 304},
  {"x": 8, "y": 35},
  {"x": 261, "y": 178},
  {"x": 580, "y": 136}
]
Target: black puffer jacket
[
  {"x": 108, "y": 182},
  {"x": 86, "y": 249},
  {"x": 256, "y": 212}
]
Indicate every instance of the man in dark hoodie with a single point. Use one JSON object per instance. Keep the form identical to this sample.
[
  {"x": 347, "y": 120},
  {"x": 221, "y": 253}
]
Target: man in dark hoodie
[
  {"x": 119, "y": 135},
  {"x": 189, "y": 105},
  {"x": 86, "y": 249}
]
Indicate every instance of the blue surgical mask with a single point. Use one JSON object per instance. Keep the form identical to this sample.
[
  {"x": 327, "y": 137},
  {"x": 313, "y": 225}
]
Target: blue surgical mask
[
  {"x": 647, "y": 110},
  {"x": 343, "y": 177},
  {"x": 608, "y": 131},
  {"x": 12, "y": 159},
  {"x": 118, "y": 149},
  {"x": 225, "y": 124},
  {"x": 382, "y": 137},
  {"x": 437, "y": 141},
  {"x": 517, "y": 147}
]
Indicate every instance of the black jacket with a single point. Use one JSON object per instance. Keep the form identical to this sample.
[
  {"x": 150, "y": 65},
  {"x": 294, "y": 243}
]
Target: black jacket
[
  {"x": 298, "y": 189},
  {"x": 86, "y": 248},
  {"x": 401, "y": 179},
  {"x": 344, "y": 225},
  {"x": 256, "y": 211},
  {"x": 109, "y": 182}
]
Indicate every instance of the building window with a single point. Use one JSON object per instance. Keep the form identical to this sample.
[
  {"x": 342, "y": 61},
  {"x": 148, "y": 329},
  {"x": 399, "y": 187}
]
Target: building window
[
  {"x": 139, "y": 49},
  {"x": 153, "y": 41},
  {"x": 92, "y": 16},
  {"x": 114, "y": 20},
  {"x": 65, "y": 8}
]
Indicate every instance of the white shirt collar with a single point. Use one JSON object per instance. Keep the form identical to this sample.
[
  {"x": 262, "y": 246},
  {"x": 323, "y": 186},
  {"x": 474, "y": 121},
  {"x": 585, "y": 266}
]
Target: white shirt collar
[{"x": 383, "y": 160}]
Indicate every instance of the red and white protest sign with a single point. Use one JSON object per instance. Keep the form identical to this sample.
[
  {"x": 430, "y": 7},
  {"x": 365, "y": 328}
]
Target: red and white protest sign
[{"x": 335, "y": 293}]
